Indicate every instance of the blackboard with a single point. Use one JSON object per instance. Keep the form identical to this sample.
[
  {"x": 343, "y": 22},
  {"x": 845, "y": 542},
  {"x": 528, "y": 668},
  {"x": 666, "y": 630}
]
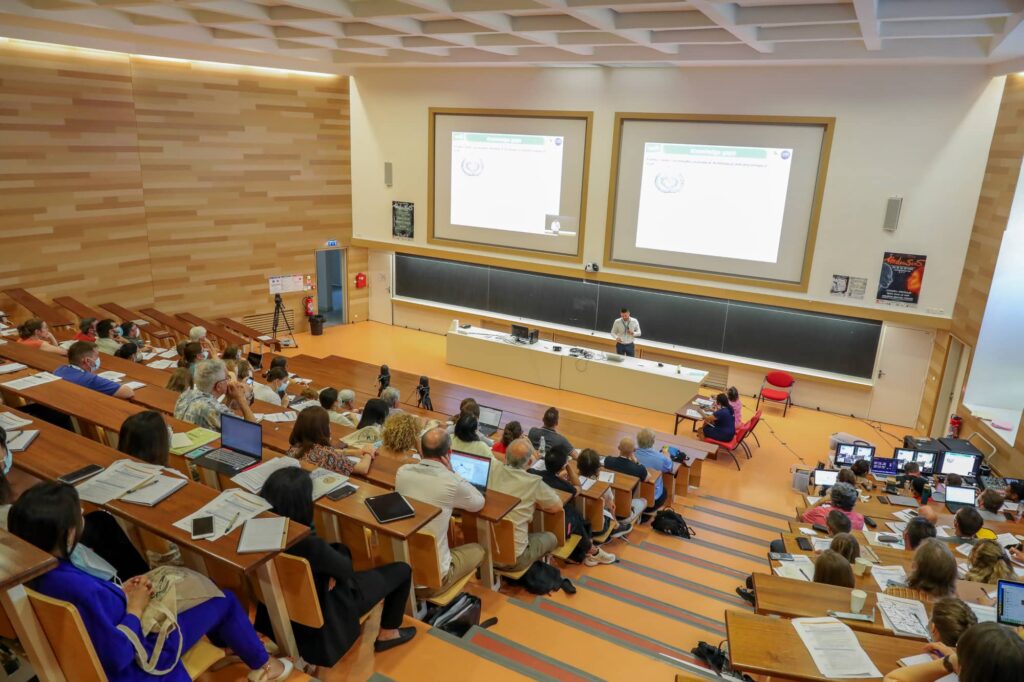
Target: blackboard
[{"x": 830, "y": 343}]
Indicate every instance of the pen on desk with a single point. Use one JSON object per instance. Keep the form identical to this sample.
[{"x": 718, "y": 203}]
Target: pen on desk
[
  {"x": 924, "y": 626},
  {"x": 140, "y": 486},
  {"x": 805, "y": 575},
  {"x": 231, "y": 523}
]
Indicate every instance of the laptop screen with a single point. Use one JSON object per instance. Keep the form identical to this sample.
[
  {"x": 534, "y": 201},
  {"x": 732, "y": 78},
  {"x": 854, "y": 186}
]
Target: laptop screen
[
  {"x": 903, "y": 456},
  {"x": 256, "y": 360},
  {"x": 490, "y": 416},
  {"x": 1010, "y": 604},
  {"x": 958, "y": 463},
  {"x": 472, "y": 468},
  {"x": 848, "y": 453},
  {"x": 825, "y": 477},
  {"x": 885, "y": 466},
  {"x": 241, "y": 436},
  {"x": 961, "y": 495}
]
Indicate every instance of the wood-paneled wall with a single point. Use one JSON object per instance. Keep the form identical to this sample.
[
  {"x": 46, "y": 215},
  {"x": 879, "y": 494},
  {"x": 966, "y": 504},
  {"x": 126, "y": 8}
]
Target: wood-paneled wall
[{"x": 181, "y": 184}]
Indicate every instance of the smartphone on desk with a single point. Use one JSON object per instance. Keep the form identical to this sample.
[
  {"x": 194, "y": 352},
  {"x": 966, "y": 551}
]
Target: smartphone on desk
[
  {"x": 780, "y": 556},
  {"x": 804, "y": 544},
  {"x": 341, "y": 493},
  {"x": 202, "y": 527},
  {"x": 80, "y": 474}
]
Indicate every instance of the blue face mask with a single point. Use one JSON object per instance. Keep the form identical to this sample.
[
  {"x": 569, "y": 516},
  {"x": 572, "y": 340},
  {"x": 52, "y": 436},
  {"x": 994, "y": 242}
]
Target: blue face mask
[
  {"x": 96, "y": 364},
  {"x": 8, "y": 461},
  {"x": 92, "y": 563}
]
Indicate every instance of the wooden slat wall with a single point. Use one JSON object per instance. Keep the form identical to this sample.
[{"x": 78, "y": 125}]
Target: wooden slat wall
[{"x": 180, "y": 184}]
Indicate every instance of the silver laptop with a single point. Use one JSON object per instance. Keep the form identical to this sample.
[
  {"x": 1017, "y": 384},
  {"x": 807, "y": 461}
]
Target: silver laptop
[
  {"x": 473, "y": 468},
  {"x": 489, "y": 420}
]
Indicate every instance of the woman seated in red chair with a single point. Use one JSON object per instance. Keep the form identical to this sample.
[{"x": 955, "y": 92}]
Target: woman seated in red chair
[{"x": 721, "y": 425}]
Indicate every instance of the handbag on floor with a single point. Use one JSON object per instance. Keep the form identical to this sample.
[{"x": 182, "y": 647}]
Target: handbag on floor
[
  {"x": 459, "y": 615},
  {"x": 670, "y": 522}
]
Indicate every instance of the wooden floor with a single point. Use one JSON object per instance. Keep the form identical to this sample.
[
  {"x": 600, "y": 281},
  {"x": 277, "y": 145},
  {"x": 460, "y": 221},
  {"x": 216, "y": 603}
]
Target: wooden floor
[{"x": 636, "y": 619}]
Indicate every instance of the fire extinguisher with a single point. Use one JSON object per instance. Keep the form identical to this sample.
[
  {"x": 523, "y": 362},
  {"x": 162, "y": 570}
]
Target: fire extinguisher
[
  {"x": 307, "y": 304},
  {"x": 955, "y": 422},
  {"x": 360, "y": 281}
]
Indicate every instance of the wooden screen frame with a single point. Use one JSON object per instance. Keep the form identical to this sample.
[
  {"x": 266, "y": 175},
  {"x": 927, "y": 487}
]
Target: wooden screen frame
[
  {"x": 827, "y": 123},
  {"x": 586, "y": 116}
]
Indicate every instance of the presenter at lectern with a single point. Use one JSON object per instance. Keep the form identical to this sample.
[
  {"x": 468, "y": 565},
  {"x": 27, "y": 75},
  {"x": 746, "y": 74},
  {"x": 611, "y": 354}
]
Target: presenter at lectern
[{"x": 625, "y": 330}]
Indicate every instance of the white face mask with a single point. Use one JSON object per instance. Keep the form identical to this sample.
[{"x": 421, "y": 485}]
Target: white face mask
[
  {"x": 283, "y": 387},
  {"x": 204, "y": 355},
  {"x": 92, "y": 563},
  {"x": 8, "y": 461},
  {"x": 96, "y": 364}
]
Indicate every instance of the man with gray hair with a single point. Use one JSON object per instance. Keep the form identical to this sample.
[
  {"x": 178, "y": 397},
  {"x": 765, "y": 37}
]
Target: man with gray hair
[
  {"x": 842, "y": 496},
  {"x": 391, "y": 397},
  {"x": 198, "y": 335},
  {"x": 202, "y": 406},
  {"x": 513, "y": 479},
  {"x": 653, "y": 459}
]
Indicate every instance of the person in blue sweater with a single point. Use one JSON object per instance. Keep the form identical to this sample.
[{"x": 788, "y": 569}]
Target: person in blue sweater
[
  {"x": 49, "y": 516},
  {"x": 721, "y": 425}
]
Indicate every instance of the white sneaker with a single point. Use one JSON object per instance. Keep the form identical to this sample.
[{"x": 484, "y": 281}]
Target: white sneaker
[{"x": 600, "y": 557}]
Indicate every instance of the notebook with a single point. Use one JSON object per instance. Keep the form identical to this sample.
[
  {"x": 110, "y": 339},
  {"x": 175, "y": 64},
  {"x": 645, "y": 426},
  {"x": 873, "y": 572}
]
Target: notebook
[
  {"x": 263, "y": 535},
  {"x": 155, "y": 492},
  {"x": 18, "y": 441}
]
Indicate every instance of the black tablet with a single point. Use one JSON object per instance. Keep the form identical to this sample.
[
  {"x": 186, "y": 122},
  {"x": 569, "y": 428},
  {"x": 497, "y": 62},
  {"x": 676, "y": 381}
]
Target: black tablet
[{"x": 389, "y": 507}]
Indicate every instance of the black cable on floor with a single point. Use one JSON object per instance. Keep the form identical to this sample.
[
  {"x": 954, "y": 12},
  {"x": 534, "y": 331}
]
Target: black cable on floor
[
  {"x": 782, "y": 442},
  {"x": 899, "y": 441}
]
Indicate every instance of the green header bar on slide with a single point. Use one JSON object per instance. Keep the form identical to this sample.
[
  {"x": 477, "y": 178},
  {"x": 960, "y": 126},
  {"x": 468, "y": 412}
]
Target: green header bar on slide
[
  {"x": 498, "y": 138},
  {"x": 715, "y": 152}
]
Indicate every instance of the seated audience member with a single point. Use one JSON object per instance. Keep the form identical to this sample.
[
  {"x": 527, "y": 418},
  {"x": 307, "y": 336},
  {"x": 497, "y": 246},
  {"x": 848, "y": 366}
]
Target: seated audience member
[
  {"x": 347, "y": 401},
  {"x": 512, "y": 431},
  {"x": 190, "y": 354},
  {"x": 927, "y": 512},
  {"x": 966, "y": 523},
  {"x": 653, "y": 459},
  {"x": 513, "y": 479},
  {"x": 917, "y": 530},
  {"x": 310, "y": 440},
  {"x": 735, "y": 405},
  {"x": 988, "y": 563},
  {"x": 589, "y": 466},
  {"x": 278, "y": 361},
  {"x": 275, "y": 390},
  {"x": 954, "y": 479},
  {"x": 131, "y": 333},
  {"x": 371, "y": 423},
  {"x": 465, "y": 437},
  {"x": 240, "y": 371},
  {"x": 86, "y": 330},
  {"x": 989, "y": 503},
  {"x": 1014, "y": 492},
  {"x": 843, "y": 497},
  {"x": 950, "y": 619},
  {"x": 198, "y": 335},
  {"x": 846, "y": 545},
  {"x": 917, "y": 487},
  {"x": 180, "y": 380},
  {"x": 128, "y": 351},
  {"x": 106, "y": 340},
  {"x": 560, "y": 477},
  {"x": 49, "y": 516},
  {"x": 200, "y": 406},
  {"x": 626, "y": 463},
  {"x": 432, "y": 480},
  {"x": 329, "y": 401},
  {"x": 6, "y": 492},
  {"x": 145, "y": 436},
  {"x": 400, "y": 437},
  {"x": 83, "y": 363},
  {"x": 721, "y": 425},
  {"x": 469, "y": 406},
  {"x": 35, "y": 334},
  {"x": 861, "y": 468},
  {"x": 392, "y": 398},
  {"x": 985, "y": 652},
  {"x": 911, "y": 470},
  {"x": 932, "y": 574},
  {"x": 837, "y": 522},
  {"x": 230, "y": 353},
  {"x": 344, "y": 593},
  {"x": 549, "y": 432},
  {"x": 832, "y": 568}
]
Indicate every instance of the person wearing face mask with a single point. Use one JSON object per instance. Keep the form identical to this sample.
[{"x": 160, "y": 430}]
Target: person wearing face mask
[
  {"x": 87, "y": 330},
  {"x": 107, "y": 337},
  {"x": 189, "y": 355},
  {"x": 201, "y": 406},
  {"x": 128, "y": 351},
  {"x": 131, "y": 333},
  {"x": 83, "y": 363},
  {"x": 275, "y": 390}
]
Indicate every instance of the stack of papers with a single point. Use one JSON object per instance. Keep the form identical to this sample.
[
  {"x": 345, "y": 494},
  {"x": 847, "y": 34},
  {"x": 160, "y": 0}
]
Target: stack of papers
[
  {"x": 905, "y": 617},
  {"x": 135, "y": 385},
  {"x": 169, "y": 353},
  {"x": 229, "y": 510},
  {"x": 883, "y": 575},
  {"x": 873, "y": 539},
  {"x": 32, "y": 380},
  {"x": 254, "y": 478},
  {"x": 155, "y": 491},
  {"x": 834, "y": 648},
  {"x": 186, "y": 442},
  {"x": 112, "y": 375},
  {"x": 694, "y": 414},
  {"x": 120, "y": 478},
  {"x": 325, "y": 481},
  {"x": 303, "y": 404},
  {"x": 11, "y": 367},
  {"x": 162, "y": 364},
  {"x": 800, "y": 568},
  {"x": 904, "y": 515},
  {"x": 18, "y": 441},
  {"x": 821, "y": 544},
  {"x": 278, "y": 416},
  {"x": 606, "y": 476},
  {"x": 10, "y": 421}
]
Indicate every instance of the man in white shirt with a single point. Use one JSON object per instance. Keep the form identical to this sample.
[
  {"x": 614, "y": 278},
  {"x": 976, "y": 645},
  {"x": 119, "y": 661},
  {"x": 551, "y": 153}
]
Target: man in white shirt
[
  {"x": 432, "y": 480},
  {"x": 273, "y": 393},
  {"x": 512, "y": 478},
  {"x": 626, "y": 329}
]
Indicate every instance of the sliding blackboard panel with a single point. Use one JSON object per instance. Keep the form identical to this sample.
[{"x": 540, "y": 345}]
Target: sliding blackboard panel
[
  {"x": 542, "y": 297},
  {"x": 843, "y": 345},
  {"x": 689, "y": 321},
  {"x": 441, "y": 281}
]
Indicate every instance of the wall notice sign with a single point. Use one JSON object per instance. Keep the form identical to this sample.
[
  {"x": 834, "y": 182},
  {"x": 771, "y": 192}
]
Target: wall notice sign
[
  {"x": 845, "y": 286},
  {"x": 283, "y": 284},
  {"x": 901, "y": 278},
  {"x": 402, "y": 225}
]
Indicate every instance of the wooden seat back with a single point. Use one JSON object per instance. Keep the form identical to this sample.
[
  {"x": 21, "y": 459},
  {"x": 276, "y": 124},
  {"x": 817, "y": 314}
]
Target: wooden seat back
[{"x": 63, "y": 627}]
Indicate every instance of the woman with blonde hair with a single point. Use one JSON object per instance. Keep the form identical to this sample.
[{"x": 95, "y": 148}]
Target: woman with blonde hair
[
  {"x": 989, "y": 563},
  {"x": 932, "y": 575},
  {"x": 400, "y": 437}
]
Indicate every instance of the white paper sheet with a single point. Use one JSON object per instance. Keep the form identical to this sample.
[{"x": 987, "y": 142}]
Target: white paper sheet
[
  {"x": 787, "y": 570},
  {"x": 254, "y": 478},
  {"x": 916, "y": 660},
  {"x": 162, "y": 364},
  {"x": 834, "y": 648},
  {"x": 964, "y": 549},
  {"x": 884, "y": 574},
  {"x": 278, "y": 417},
  {"x": 11, "y": 367},
  {"x": 943, "y": 531},
  {"x": 1007, "y": 539},
  {"x": 606, "y": 476},
  {"x": 985, "y": 614},
  {"x": 821, "y": 544},
  {"x": 37, "y": 379},
  {"x": 119, "y": 478},
  {"x": 906, "y": 617},
  {"x": 229, "y": 510},
  {"x": 154, "y": 491},
  {"x": 809, "y": 531},
  {"x": 10, "y": 422},
  {"x": 135, "y": 385},
  {"x": 112, "y": 375}
]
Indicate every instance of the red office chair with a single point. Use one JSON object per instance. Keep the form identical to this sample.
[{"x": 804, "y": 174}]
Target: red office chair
[
  {"x": 749, "y": 428},
  {"x": 778, "y": 388},
  {"x": 731, "y": 445}
]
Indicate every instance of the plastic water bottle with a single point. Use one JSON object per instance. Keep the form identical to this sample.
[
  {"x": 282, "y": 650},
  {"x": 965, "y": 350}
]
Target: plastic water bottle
[{"x": 543, "y": 447}]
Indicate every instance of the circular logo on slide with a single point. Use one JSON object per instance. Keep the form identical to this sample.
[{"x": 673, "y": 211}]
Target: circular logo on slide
[
  {"x": 785, "y": 154},
  {"x": 668, "y": 183},
  {"x": 558, "y": 141},
  {"x": 472, "y": 166}
]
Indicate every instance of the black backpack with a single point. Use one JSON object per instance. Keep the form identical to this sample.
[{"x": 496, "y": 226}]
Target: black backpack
[
  {"x": 541, "y": 578},
  {"x": 670, "y": 522}
]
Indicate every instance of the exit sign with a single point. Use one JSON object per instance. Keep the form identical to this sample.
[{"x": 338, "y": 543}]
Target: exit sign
[{"x": 332, "y": 242}]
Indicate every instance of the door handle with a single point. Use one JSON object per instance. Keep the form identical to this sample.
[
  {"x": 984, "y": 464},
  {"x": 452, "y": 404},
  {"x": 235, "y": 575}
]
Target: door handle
[{"x": 881, "y": 373}]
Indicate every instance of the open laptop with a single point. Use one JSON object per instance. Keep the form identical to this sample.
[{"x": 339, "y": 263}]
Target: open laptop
[
  {"x": 1010, "y": 603},
  {"x": 255, "y": 360},
  {"x": 958, "y": 497},
  {"x": 473, "y": 468},
  {"x": 884, "y": 467},
  {"x": 848, "y": 453},
  {"x": 825, "y": 477},
  {"x": 489, "y": 420},
  {"x": 241, "y": 446}
]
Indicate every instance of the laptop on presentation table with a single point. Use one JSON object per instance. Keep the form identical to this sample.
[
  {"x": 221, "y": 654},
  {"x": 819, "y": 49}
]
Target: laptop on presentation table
[
  {"x": 473, "y": 468},
  {"x": 489, "y": 420},
  {"x": 958, "y": 497},
  {"x": 241, "y": 446},
  {"x": 884, "y": 467}
]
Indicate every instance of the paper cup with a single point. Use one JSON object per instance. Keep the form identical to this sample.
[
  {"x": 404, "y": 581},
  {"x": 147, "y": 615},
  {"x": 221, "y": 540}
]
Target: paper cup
[
  {"x": 861, "y": 566},
  {"x": 857, "y": 599}
]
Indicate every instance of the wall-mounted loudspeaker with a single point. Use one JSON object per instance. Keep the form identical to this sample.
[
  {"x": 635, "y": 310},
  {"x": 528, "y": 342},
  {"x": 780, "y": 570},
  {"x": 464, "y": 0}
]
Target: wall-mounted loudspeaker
[
  {"x": 387, "y": 174},
  {"x": 892, "y": 213}
]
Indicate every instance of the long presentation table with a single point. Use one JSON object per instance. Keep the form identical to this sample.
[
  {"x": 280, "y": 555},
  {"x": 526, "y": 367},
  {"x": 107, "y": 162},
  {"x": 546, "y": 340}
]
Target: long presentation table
[{"x": 632, "y": 381}]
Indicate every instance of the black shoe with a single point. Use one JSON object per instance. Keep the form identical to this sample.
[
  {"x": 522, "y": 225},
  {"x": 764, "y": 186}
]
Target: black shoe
[
  {"x": 404, "y": 635},
  {"x": 623, "y": 529},
  {"x": 747, "y": 595},
  {"x": 567, "y": 586},
  {"x": 750, "y": 582}
]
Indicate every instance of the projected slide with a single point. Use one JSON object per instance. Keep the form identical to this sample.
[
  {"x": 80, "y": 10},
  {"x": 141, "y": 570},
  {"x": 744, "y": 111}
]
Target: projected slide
[
  {"x": 506, "y": 181},
  {"x": 713, "y": 201}
]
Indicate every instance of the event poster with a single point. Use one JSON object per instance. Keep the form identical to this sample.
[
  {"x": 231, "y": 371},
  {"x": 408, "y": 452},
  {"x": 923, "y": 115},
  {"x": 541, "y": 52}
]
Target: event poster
[
  {"x": 846, "y": 286},
  {"x": 402, "y": 223},
  {"x": 901, "y": 278}
]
